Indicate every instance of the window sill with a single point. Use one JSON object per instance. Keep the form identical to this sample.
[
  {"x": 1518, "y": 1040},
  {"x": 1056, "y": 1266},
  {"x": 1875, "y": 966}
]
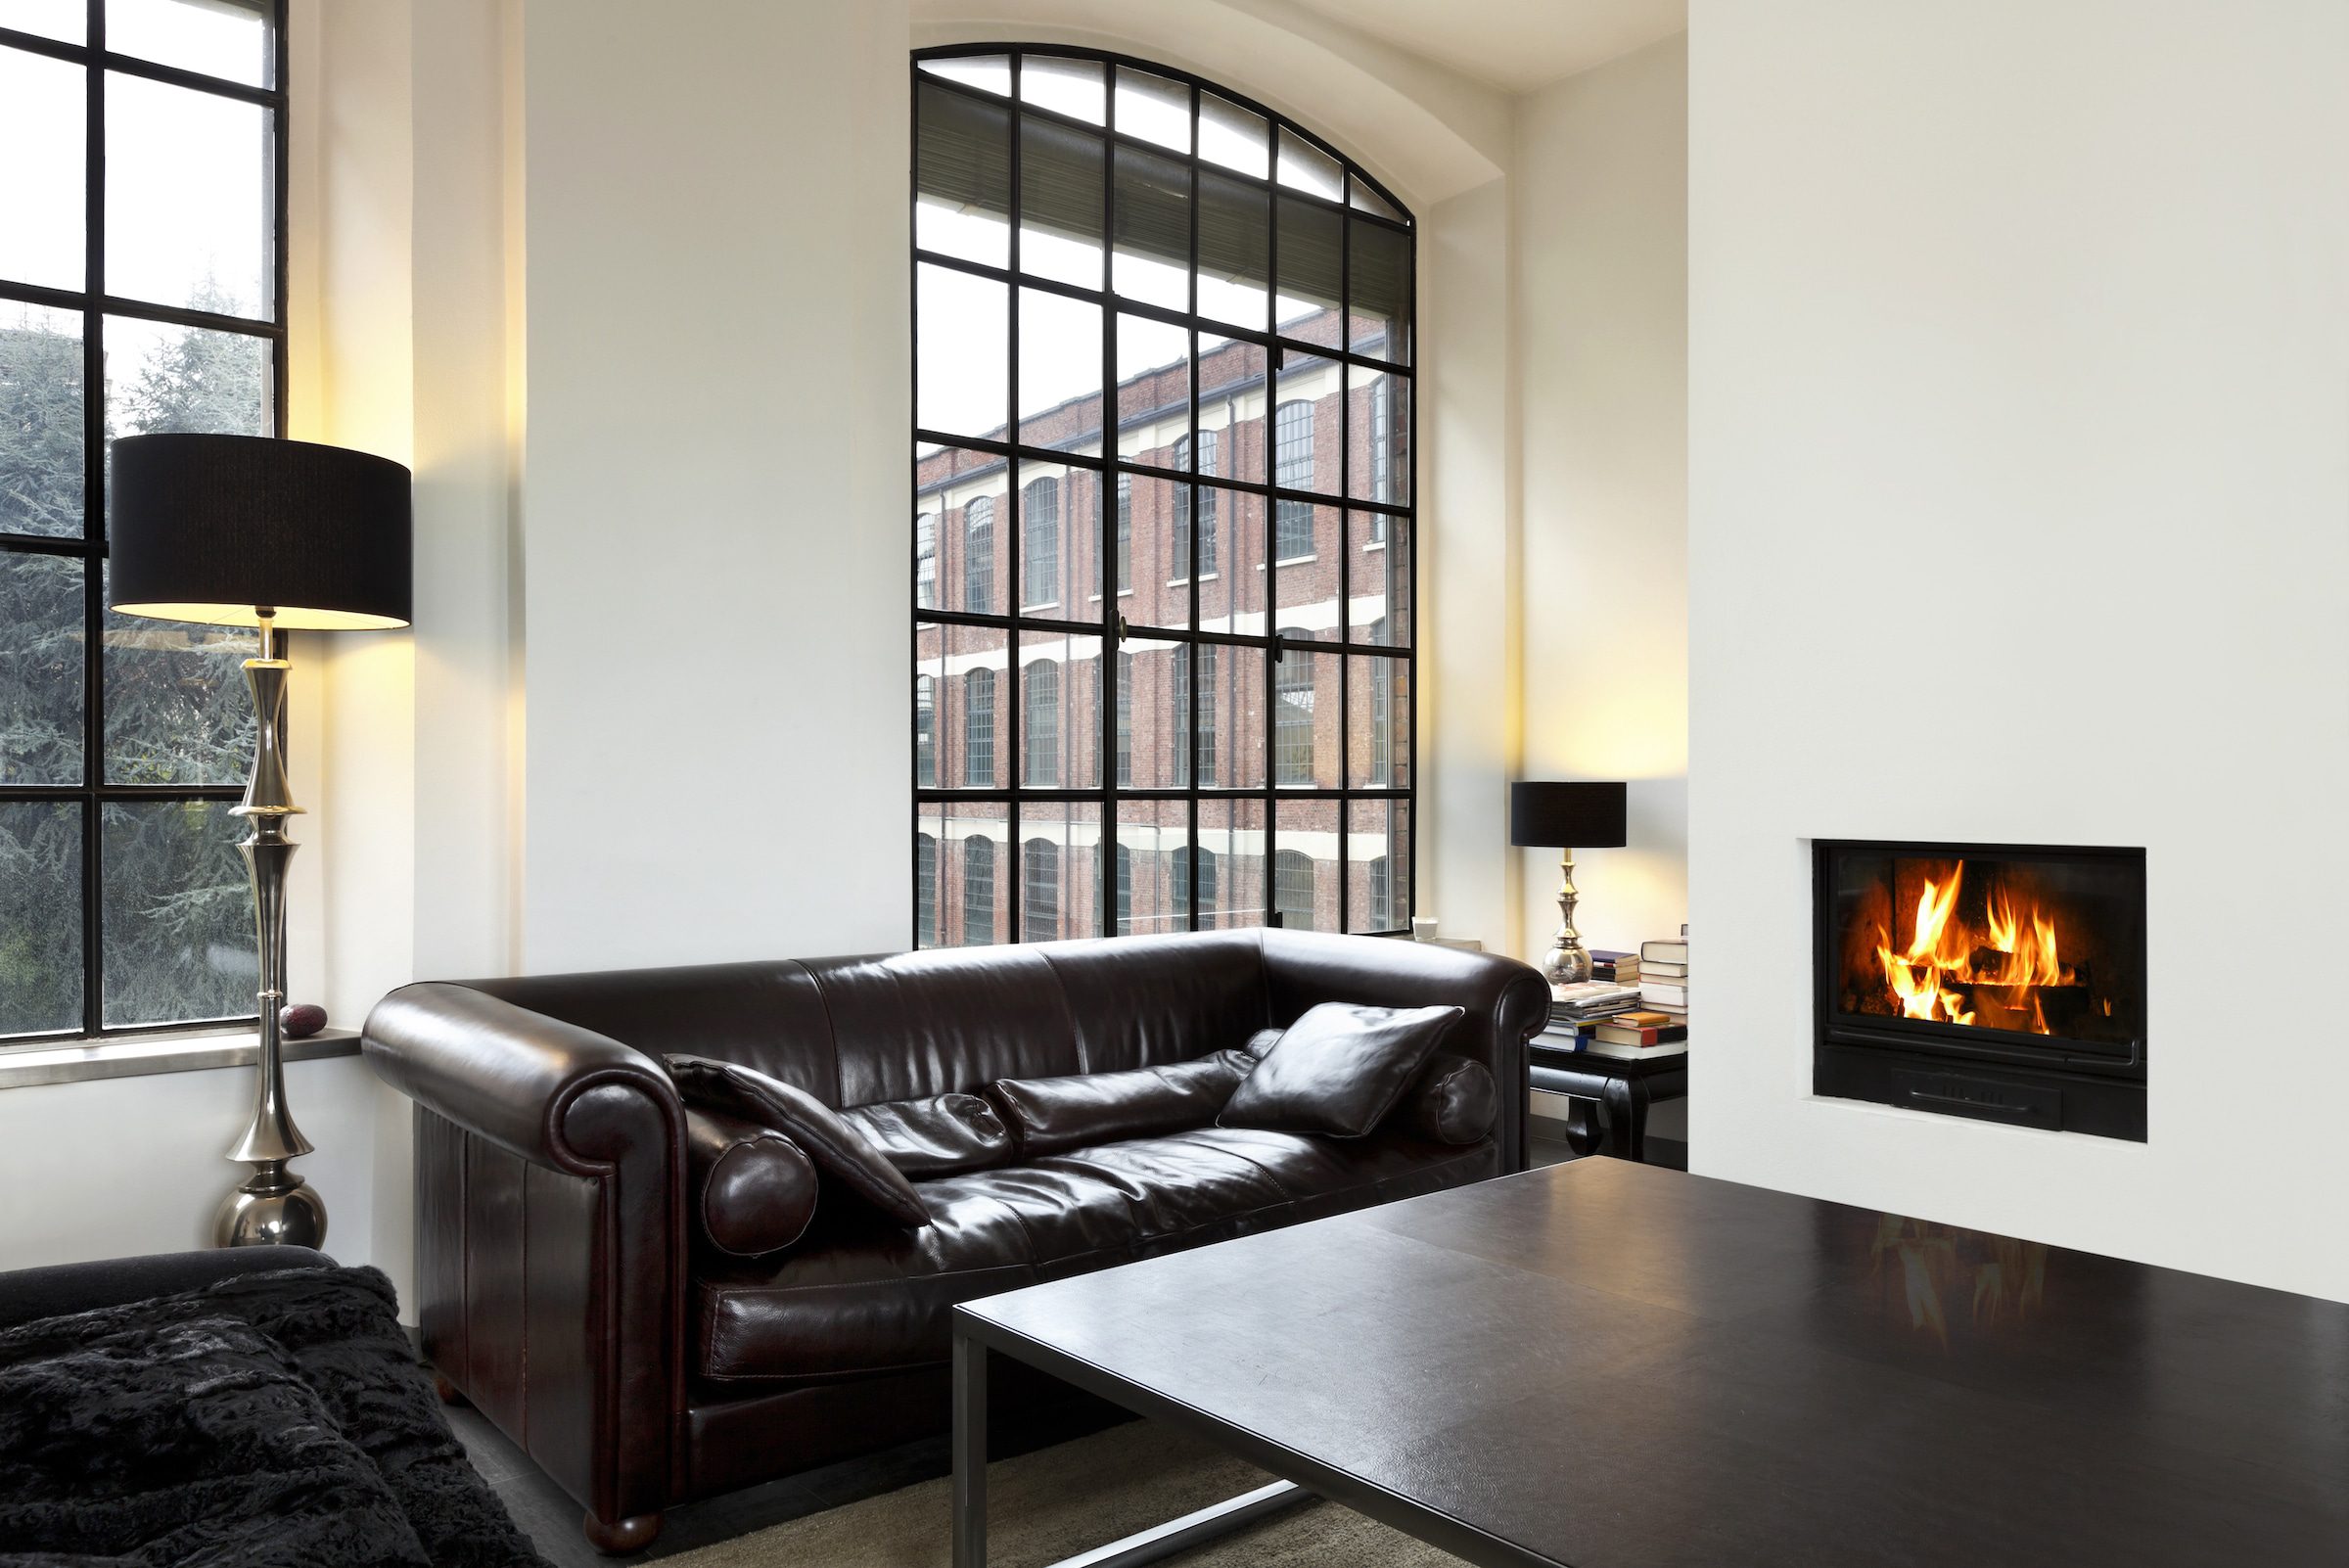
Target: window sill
[
  {"x": 138, "y": 1055},
  {"x": 1294, "y": 560}
]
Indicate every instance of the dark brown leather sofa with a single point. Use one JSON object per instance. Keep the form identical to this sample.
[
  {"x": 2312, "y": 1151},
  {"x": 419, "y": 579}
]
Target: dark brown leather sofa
[{"x": 564, "y": 1287}]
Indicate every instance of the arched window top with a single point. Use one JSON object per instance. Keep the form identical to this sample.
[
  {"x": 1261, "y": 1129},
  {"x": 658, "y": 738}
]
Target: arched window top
[{"x": 1172, "y": 332}]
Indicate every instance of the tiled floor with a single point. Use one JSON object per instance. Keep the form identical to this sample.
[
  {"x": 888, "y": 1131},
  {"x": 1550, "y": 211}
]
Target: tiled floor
[{"x": 552, "y": 1519}]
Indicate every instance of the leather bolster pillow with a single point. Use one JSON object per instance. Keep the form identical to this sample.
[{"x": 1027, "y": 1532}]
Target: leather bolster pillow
[
  {"x": 752, "y": 1189},
  {"x": 842, "y": 1155},
  {"x": 1454, "y": 1101},
  {"x": 1049, "y": 1115}
]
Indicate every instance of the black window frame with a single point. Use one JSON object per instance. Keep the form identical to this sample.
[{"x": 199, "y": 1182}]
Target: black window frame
[
  {"x": 1383, "y": 360},
  {"x": 94, "y": 305}
]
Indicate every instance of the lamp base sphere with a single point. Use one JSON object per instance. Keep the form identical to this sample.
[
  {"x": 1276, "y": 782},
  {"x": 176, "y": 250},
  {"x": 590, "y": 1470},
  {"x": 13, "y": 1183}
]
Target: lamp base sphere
[
  {"x": 1566, "y": 966},
  {"x": 283, "y": 1217}
]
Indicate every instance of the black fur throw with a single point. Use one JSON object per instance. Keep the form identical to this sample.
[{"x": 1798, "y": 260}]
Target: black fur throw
[{"x": 271, "y": 1420}]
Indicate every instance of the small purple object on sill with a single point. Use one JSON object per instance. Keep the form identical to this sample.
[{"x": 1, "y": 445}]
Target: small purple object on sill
[{"x": 302, "y": 1020}]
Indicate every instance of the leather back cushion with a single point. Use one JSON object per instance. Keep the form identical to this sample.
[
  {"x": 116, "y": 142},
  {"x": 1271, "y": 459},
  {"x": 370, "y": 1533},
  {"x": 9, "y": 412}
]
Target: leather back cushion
[
  {"x": 949, "y": 1021},
  {"x": 752, "y": 1190},
  {"x": 1052, "y": 1115},
  {"x": 1453, "y": 1102},
  {"x": 946, "y": 1134},
  {"x": 1144, "y": 1001},
  {"x": 839, "y": 1152},
  {"x": 1340, "y": 1069}
]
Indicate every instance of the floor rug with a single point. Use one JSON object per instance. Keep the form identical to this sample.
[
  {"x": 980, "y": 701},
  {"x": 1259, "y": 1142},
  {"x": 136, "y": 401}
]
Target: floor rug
[{"x": 1058, "y": 1501}]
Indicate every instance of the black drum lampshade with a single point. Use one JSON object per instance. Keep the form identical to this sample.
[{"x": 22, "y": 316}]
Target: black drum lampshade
[
  {"x": 1558, "y": 816},
  {"x": 217, "y": 529}
]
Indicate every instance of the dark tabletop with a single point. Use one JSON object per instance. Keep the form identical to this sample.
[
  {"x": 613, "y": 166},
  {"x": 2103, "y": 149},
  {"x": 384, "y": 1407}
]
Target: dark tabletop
[{"x": 1612, "y": 1365}]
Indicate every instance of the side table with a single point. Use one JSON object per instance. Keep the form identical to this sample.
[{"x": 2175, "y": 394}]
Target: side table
[{"x": 1621, "y": 1088}]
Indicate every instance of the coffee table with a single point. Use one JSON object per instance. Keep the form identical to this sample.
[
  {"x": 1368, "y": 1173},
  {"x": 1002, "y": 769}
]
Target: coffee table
[{"x": 1602, "y": 1364}]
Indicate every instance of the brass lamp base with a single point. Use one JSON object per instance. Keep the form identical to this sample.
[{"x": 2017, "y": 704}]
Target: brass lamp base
[{"x": 1567, "y": 962}]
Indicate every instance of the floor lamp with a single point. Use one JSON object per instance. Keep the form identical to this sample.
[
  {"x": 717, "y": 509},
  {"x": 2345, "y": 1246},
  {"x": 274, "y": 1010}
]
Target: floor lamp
[{"x": 248, "y": 531}]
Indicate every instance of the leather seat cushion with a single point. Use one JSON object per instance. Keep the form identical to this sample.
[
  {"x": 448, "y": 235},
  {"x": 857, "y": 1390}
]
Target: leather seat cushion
[{"x": 863, "y": 1297}]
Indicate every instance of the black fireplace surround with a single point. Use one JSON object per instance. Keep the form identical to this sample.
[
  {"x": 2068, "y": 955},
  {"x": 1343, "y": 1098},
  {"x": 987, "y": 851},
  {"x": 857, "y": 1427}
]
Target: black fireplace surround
[{"x": 2000, "y": 982}]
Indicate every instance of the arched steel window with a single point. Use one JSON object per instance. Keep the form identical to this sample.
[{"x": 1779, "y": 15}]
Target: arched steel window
[
  {"x": 1174, "y": 328},
  {"x": 1293, "y": 881},
  {"x": 1041, "y": 711},
  {"x": 978, "y": 892}
]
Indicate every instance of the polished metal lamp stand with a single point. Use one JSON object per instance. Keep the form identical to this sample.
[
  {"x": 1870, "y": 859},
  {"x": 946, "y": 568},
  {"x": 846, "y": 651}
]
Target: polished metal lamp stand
[
  {"x": 273, "y": 1205},
  {"x": 253, "y": 530},
  {"x": 1567, "y": 962}
]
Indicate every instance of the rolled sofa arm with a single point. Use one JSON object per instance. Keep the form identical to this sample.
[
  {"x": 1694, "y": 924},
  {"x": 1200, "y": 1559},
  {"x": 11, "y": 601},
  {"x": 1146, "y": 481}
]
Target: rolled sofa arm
[
  {"x": 550, "y": 1183},
  {"x": 1506, "y": 1002}
]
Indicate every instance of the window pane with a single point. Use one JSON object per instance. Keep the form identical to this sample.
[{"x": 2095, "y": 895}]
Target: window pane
[
  {"x": 1060, "y": 711},
  {"x": 1305, "y": 578},
  {"x": 1379, "y": 610},
  {"x": 1071, "y": 87},
  {"x": 927, "y": 882},
  {"x": 925, "y": 729},
  {"x": 1379, "y": 402},
  {"x": 990, "y": 73},
  {"x": 1148, "y": 730},
  {"x": 177, "y": 711},
  {"x": 1305, "y": 864},
  {"x": 967, "y": 494},
  {"x": 1060, "y": 203},
  {"x": 1305, "y": 437},
  {"x": 1232, "y": 719},
  {"x": 188, "y": 197},
  {"x": 40, "y": 916},
  {"x": 1153, "y": 229},
  {"x": 1060, "y": 846},
  {"x": 1378, "y": 720},
  {"x": 1154, "y": 390},
  {"x": 1154, "y": 108},
  {"x": 218, "y": 37},
  {"x": 1234, "y": 137},
  {"x": 1233, "y": 391},
  {"x": 1152, "y": 893},
  {"x": 40, "y": 420},
  {"x": 1379, "y": 865},
  {"x": 1308, "y": 271},
  {"x": 1232, "y": 597},
  {"x": 1160, "y": 546},
  {"x": 1378, "y": 264},
  {"x": 43, "y": 114},
  {"x": 1306, "y": 168},
  {"x": 1360, "y": 194},
  {"x": 1231, "y": 863},
  {"x": 1235, "y": 252},
  {"x": 963, "y": 348},
  {"x": 971, "y": 891},
  {"x": 67, "y": 20},
  {"x": 962, "y": 155},
  {"x": 966, "y": 668},
  {"x": 41, "y": 656},
  {"x": 1060, "y": 372},
  {"x": 178, "y": 913},
  {"x": 1060, "y": 568},
  {"x": 1305, "y": 732}
]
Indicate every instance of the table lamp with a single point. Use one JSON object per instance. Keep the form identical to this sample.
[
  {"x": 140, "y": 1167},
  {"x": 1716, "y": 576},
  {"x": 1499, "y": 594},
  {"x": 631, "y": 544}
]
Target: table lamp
[
  {"x": 249, "y": 530},
  {"x": 1559, "y": 816}
]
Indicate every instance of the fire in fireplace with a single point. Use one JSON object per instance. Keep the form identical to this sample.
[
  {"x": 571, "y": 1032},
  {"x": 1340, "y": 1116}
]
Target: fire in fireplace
[{"x": 1995, "y": 982}]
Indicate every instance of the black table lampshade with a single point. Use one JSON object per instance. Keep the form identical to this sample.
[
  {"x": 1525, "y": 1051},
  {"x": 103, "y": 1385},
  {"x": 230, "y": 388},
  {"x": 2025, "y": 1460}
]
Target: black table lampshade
[
  {"x": 1558, "y": 816},
  {"x": 212, "y": 528}
]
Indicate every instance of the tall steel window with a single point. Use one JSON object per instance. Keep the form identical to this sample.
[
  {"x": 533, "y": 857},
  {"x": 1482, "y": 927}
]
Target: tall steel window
[
  {"x": 1156, "y": 323},
  {"x": 141, "y": 289}
]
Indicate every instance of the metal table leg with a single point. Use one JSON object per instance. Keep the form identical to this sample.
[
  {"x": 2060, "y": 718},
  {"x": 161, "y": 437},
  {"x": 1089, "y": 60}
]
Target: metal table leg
[{"x": 970, "y": 1452}]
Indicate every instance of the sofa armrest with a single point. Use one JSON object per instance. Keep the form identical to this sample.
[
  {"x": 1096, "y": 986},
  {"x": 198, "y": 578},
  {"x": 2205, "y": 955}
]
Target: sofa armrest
[
  {"x": 1506, "y": 1002},
  {"x": 550, "y": 1234}
]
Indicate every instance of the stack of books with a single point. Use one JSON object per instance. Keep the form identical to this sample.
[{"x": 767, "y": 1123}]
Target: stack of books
[
  {"x": 1664, "y": 977},
  {"x": 1578, "y": 1009},
  {"x": 1623, "y": 968},
  {"x": 1633, "y": 1036}
]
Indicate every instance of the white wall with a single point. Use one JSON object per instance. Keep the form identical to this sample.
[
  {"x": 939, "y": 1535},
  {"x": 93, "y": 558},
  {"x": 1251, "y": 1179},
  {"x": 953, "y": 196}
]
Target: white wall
[
  {"x": 2020, "y": 511},
  {"x": 715, "y": 589},
  {"x": 1601, "y": 258}
]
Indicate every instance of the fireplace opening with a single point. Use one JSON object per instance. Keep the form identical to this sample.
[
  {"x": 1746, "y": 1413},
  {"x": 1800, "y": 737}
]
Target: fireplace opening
[{"x": 1998, "y": 981}]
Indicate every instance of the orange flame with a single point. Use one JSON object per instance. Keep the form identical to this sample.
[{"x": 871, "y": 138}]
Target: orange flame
[{"x": 2016, "y": 953}]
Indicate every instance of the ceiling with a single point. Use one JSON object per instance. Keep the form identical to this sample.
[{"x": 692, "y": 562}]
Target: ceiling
[{"x": 1516, "y": 44}]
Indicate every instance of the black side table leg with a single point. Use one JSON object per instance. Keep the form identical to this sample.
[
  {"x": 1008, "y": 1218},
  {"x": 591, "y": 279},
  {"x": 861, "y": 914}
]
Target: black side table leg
[
  {"x": 1626, "y": 1102},
  {"x": 970, "y": 1452}
]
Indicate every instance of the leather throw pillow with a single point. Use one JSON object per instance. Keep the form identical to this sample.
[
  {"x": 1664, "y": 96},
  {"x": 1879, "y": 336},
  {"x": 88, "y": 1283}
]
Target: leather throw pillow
[
  {"x": 1340, "y": 1069},
  {"x": 838, "y": 1149},
  {"x": 946, "y": 1134},
  {"x": 1055, "y": 1114}
]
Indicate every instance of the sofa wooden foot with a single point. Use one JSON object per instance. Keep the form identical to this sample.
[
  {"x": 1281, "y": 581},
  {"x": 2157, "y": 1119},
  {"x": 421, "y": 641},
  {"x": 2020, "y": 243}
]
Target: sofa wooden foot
[
  {"x": 621, "y": 1537},
  {"x": 446, "y": 1390}
]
